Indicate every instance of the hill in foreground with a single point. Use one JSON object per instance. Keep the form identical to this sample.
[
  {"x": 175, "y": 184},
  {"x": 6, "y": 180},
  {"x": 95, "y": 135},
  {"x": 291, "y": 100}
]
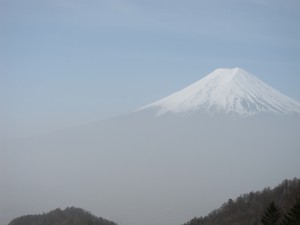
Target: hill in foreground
[
  {"x": 68, "y": 216},
  {"x": 248, "y": 209}
]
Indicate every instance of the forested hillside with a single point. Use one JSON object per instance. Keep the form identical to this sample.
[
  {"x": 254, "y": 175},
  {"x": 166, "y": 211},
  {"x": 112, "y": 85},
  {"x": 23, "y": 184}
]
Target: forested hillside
[
  {"x": 248, "y": 209},
  {"x": 68, "y": 216},
  {"x": 280, "y": 205}
]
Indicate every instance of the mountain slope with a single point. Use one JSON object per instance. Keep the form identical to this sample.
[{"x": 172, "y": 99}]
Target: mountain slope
[
  {"x": 247, "y": 209},
  {"x": 226, "y": 91}
]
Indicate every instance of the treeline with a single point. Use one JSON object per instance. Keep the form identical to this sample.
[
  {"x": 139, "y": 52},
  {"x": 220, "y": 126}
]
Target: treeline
[
  {"x": 68, "y": 216},
  {"x": 248, "y": 209},
  {"x": 278, "y": 206}
]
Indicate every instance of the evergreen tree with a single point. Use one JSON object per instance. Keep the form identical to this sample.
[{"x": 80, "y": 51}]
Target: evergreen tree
[
  {"x": 271, "y": 215},
  {"x": 293, "y": 216}
]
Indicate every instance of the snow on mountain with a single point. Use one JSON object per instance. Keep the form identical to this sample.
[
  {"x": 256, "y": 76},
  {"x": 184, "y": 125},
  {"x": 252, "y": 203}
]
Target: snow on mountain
[{"x": 226, "y": 91}]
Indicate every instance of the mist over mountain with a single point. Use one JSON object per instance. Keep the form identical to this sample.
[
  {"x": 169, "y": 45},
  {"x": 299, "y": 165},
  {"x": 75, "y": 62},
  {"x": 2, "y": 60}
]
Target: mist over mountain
[{"x": 165, "y": 163}]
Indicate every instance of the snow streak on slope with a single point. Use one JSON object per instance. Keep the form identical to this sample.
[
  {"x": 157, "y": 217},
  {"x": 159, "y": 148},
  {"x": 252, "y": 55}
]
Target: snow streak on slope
[{"x": 228, "y": 91}]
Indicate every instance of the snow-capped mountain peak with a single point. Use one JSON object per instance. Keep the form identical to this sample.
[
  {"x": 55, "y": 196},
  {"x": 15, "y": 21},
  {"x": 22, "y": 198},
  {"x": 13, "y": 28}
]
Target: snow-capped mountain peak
[{"x": 226, "y": 91}]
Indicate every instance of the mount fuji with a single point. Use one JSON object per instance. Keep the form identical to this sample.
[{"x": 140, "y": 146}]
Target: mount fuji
[
  {"x": 226, "y": 91},
  {"x": 166, "y": 162}
]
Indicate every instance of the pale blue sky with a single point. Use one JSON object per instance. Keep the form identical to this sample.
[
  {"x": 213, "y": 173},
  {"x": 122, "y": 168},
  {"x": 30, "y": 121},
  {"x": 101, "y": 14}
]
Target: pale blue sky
[{"x": 68, "y": 62}]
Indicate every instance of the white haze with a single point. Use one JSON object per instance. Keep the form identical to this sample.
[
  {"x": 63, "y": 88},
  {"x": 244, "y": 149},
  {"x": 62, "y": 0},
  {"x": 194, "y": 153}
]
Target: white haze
[{"x": 138, "y": 169}]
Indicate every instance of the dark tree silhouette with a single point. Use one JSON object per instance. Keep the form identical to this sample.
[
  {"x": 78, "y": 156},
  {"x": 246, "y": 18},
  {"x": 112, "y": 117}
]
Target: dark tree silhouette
[
  {"x": 293, "y": 216},
  {"x": 271, "y": 215}
]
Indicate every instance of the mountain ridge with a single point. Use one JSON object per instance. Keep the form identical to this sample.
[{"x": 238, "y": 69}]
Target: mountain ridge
[{"x": 226, "y": 91}]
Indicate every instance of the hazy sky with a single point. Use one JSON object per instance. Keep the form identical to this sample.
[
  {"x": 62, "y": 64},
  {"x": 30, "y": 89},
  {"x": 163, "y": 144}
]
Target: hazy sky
[{"x": 67, "y": 62}]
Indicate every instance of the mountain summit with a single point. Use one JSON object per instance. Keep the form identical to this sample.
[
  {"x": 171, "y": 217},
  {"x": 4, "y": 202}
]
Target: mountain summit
[{"x": 226, "y": 91}]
